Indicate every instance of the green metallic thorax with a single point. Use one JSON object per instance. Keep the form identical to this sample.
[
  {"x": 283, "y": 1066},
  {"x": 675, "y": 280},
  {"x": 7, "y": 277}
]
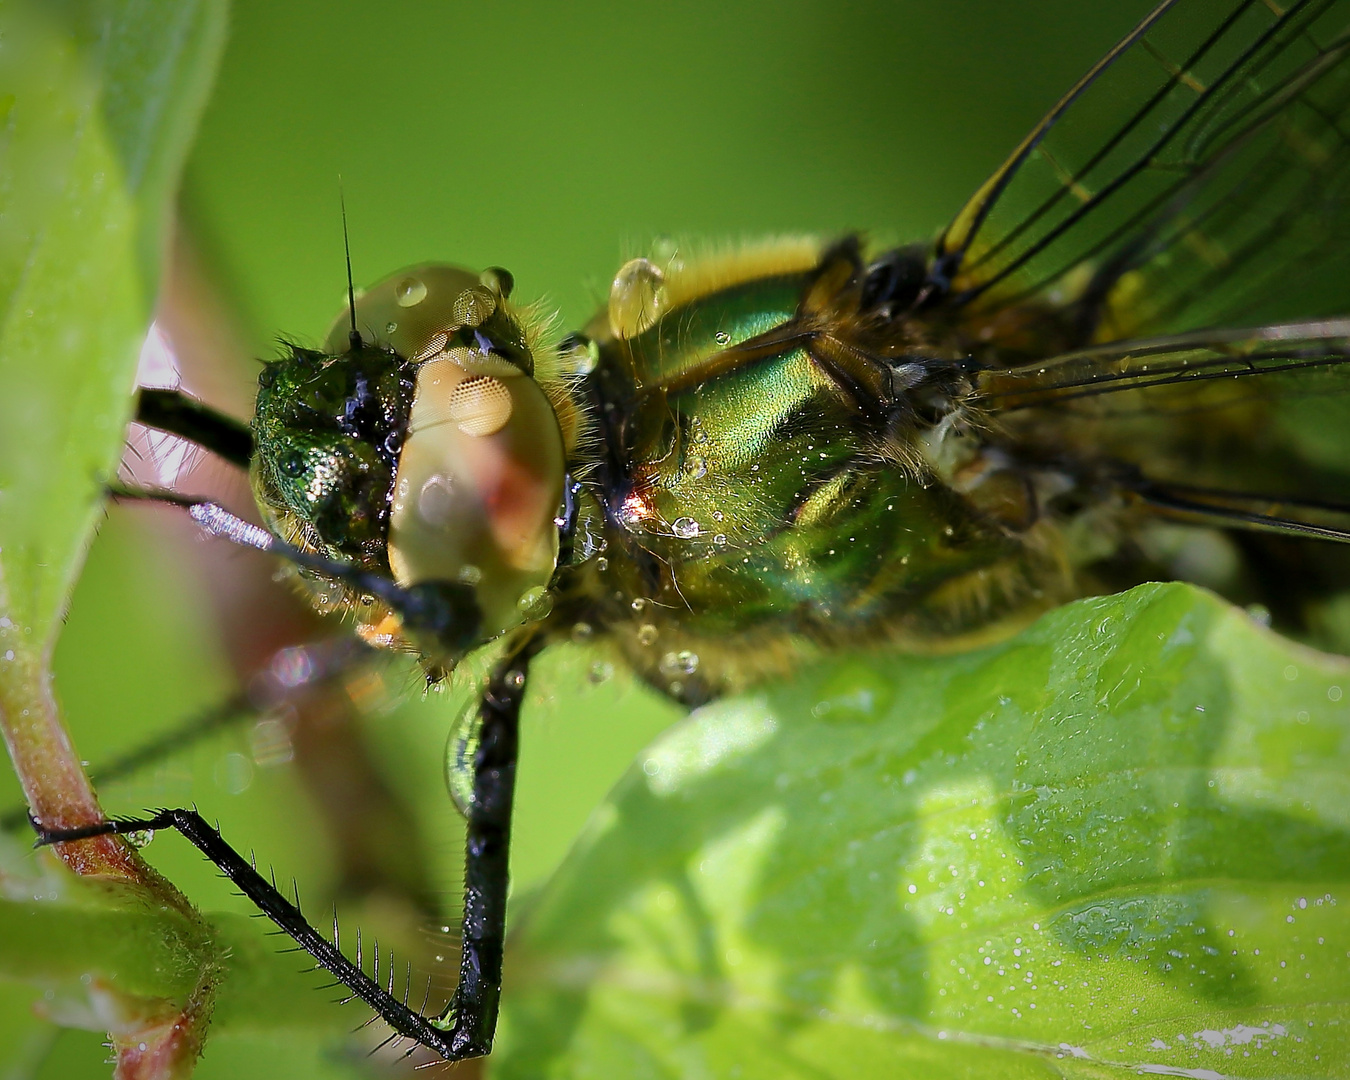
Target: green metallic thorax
[{"x": 757, "y": 490}]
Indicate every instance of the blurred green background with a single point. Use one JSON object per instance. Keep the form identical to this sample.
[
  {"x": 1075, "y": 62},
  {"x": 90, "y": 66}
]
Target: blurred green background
[{"x": 555, "y": 140}]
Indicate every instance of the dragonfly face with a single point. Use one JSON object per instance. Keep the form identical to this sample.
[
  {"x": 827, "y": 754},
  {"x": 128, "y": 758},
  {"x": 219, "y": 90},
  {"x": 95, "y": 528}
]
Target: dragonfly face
[{"x": 429, "y": 453}]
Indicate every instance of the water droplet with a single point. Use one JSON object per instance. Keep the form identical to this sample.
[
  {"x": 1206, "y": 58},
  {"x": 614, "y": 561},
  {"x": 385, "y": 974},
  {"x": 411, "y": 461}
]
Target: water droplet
[
  {"x": 639, "y": 605},
  {"x": 720, "y": 539},
  {"x": 498, "y": 279},
  {"x": 460, "y": 748},
  {"x": 515, "y": 679},
  {"x": 140, "y": 837},
  {"x": 535, "y": 603},
  {"x": 469, "y": 574},
  {"x": 602, "y": 564},
  {"x": 582, "y": 631},
  {"x": 683, "y": 662},
  {"x": 646, "y": 634},
  {"x": 436, "y": 501},
  {"x": 699, "y": 469},
  {"x": 722, "y": 337},
  {"x": 601, "y": 671},
  {"x": 686, "y": 528},
  {"x": 579, "y": 354},
  {"x": 390, "y": 327},
  {"x": 234, "y": 773},
  {"x": 637, "y": 297},
  {"x": 717, "y": 515},
  {"x": 410, "y": 292}
]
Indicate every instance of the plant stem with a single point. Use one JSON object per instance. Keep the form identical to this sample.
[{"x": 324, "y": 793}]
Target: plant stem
[{"x": 60, "y": 795}]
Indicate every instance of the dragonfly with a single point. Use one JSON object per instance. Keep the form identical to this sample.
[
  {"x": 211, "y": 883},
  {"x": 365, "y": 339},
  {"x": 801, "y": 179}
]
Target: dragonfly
[{"x": 751, "y": 458}]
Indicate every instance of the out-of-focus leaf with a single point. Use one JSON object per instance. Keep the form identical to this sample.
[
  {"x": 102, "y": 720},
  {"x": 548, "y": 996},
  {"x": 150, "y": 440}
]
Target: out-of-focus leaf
[
  {"x": 85, "y": 941},
  {"x": 98, "y": 102},
  {"x": 1120, "y": 839}
]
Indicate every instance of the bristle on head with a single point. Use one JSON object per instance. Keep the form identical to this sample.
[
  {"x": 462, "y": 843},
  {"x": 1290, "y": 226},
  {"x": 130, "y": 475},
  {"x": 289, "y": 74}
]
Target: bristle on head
[{"x": 353, "y": 335}]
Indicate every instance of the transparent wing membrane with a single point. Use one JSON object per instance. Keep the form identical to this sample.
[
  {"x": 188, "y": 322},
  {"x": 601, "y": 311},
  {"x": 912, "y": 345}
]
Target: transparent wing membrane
[
  {"x": 1204, "y": 425},
  {"x": 1231, "y": 356},
  {"x": 1222, "y": 196},
  {"x": 1239, "y": 509}
]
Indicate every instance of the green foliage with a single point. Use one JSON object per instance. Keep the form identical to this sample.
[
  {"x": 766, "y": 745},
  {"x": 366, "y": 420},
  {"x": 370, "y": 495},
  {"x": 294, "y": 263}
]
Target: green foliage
[
  {"x": 100, "y": 103},
  {"x": 1119, "y": 839}
]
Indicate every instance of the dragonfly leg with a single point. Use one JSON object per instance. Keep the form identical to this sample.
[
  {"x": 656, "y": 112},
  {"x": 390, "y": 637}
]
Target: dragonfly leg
[
  {"x": 465, "y": 1029},
  {"x": 178, "y": 414},
  {"x": 471, "y": 1016},
  {"x": 444, "y": 610},
  {"x": 270, "y": 901}
]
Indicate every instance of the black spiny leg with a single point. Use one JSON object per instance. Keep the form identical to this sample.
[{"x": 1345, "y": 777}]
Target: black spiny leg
[
  {"x": 466, "y": 1027},
  {"x": 472, "y": 1014},
  {"x": 449, "y": 613}
]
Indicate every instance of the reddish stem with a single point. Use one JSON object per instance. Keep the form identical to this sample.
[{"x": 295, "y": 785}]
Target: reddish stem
[
  {"x": 58, "y": 791},
  {"x": 60, "y": 796}
]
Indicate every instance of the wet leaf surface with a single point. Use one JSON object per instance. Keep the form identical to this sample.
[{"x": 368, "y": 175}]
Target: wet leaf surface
[{"x": 1121, "y": 839}]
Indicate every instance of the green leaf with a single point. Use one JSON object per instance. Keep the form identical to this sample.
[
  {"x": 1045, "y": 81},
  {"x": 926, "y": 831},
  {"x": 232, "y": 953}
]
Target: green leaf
[
  {"x": 1119, "y": 839},
  {"x": 99, "y": 101},
  {"x": 96, "y": 945}
]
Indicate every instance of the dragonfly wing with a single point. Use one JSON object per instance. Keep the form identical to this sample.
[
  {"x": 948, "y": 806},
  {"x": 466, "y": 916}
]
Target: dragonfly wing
[
  {"x": 1198, "y": 174},
  {"x": 1230, "y": 425}
]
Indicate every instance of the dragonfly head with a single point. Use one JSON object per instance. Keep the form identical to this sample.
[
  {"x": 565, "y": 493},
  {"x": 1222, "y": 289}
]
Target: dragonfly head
[{"x": 419, "y": 444}]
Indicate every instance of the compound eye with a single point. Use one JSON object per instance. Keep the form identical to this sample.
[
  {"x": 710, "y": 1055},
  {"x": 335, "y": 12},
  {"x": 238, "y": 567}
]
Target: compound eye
[
  {"x": 479, "y": 482},
  {"x": 417, "y": 310}
]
